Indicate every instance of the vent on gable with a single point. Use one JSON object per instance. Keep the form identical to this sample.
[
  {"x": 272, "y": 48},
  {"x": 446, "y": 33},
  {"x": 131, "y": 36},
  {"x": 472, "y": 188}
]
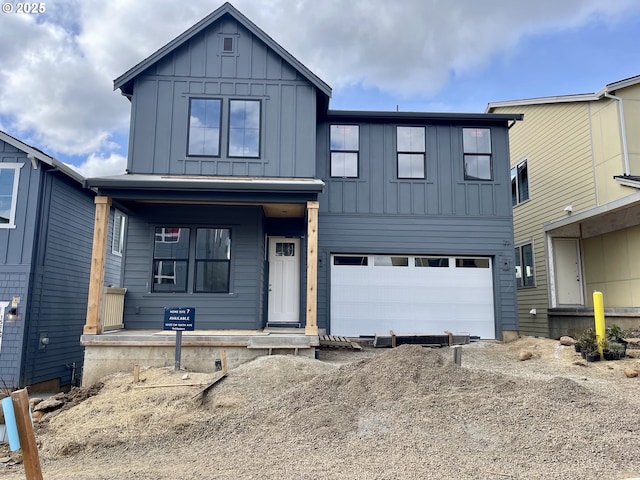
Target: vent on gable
[{"x": 227, "y": 44}]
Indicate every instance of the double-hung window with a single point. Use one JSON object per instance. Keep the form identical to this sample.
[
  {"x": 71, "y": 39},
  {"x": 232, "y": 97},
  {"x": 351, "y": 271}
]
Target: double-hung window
[
  {"x": 241, "y": 128},
  {"x": 213, "y": 258},
  {"x": 411, "y": 148},
  {"x": 345, "y": 144},
  {"x": 519, "y": 183},
  {"x": 525, "y": 275},
  {"x": 185, "y": 263},
  {"x": 476, "y": 143},
  {"x": 9, "y": 177}
]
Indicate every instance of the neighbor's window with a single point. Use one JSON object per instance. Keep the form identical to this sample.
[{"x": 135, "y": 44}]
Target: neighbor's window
[
  {"x": 476, "y": 143},
  {"x": 519, "y": 183},
  {"x": 170, "y": 259},
  {"x": 204, "y": 127},
  {"x": 525, "y": 275},
  {"x": 244, "y": 128},
  {"x": 345, "y": 144},
  {"x": 9, "y": 176},
  {"x": 117, "y": 241},
  {"x": 213, "y": 259},
  {"x": 411, "y": 147}
]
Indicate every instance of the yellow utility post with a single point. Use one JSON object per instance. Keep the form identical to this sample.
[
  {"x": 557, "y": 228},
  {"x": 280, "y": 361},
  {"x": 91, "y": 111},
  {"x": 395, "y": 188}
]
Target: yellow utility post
[{"x": 598, "y": 312}]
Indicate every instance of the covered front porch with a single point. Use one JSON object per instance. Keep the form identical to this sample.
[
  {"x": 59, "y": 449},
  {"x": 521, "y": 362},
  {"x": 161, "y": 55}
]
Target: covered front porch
[{"x": 242, "y": 252}]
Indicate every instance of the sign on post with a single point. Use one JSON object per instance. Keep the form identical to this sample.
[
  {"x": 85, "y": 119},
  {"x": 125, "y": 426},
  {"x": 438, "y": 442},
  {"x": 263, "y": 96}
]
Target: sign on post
[{"x": 179, "y": 319}]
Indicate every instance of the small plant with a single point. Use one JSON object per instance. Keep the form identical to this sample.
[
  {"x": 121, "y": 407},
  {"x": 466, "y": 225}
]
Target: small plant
[
  {"x": 587, "y": 341},
  {"x": 615, "y": 334}
]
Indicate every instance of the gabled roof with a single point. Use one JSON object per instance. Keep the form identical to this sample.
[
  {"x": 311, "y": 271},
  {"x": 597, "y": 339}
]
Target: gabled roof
[
  {"x": 125, "y": 81},
  {"x": 35, "y": 154},
  {"x": 584, "y": 97}
]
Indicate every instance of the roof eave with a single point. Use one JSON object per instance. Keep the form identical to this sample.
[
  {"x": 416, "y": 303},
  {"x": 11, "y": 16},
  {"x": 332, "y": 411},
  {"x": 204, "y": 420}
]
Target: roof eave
[{"x": 446, "y": 116}]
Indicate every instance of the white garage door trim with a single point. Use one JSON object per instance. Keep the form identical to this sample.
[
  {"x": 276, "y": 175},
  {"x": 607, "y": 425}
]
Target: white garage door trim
[{"x": 373, "y": 294}]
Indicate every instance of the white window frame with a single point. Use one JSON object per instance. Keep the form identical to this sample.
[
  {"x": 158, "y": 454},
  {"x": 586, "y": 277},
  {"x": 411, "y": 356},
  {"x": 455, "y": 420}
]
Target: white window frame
[
  {"x": 117, "y": 239},
  {"x": 14, "y": 194}
]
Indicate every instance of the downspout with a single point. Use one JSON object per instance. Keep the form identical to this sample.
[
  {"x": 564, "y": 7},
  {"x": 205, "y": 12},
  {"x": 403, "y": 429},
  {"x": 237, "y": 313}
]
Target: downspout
[{"x": 625, "y": 151}]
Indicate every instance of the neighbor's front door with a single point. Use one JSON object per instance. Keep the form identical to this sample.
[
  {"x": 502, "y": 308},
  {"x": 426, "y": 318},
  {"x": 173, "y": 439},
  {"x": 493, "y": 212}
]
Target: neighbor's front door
[
  {"x": 284, "y": 280},
  {"x": 568, "y": 275}
]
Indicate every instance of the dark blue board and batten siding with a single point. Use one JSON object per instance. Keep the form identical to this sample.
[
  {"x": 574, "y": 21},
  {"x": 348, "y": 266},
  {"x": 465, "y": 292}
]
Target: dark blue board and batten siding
[
  {"x": 160, "y": 108},
  {"x": 241, "y": 308},
  {"x": 442, "y": 214}
]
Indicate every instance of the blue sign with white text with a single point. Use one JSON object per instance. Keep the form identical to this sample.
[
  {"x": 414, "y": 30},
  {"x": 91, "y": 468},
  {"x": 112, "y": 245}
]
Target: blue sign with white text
[{"x": 179, "y": 318}]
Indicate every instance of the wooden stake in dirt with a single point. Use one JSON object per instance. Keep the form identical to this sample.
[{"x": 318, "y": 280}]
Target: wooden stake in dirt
[
  {"x": 223, "y": 361},
  {"x": 136, "y": 373},
  {"x": 30, "y": 457},
  {"x": 199, "y": 397}
]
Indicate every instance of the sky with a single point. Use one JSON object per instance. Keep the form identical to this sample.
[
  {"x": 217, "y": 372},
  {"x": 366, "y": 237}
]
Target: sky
[{"x": 57, "y": 65}]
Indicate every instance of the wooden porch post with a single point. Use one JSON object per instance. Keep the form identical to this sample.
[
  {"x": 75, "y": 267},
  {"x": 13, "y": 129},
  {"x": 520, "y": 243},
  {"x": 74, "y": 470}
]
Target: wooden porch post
[
  {"x": 93, "y": 323},
  {"x": 311, "y": 326}
]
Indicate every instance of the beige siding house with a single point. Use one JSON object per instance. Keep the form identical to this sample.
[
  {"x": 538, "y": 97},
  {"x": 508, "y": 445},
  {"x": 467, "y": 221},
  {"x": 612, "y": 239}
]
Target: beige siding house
[{"x": 576, "y": 205}]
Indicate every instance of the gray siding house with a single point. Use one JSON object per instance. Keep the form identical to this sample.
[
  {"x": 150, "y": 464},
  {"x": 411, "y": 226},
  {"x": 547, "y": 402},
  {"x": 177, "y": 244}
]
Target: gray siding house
[
  {"x": 46, "y": 234},
  {"x": 252, "y": 202}
]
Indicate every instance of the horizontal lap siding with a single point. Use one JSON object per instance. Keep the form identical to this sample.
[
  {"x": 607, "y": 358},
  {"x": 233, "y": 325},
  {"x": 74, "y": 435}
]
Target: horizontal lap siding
[
  {"x": 419, "y": 235},
  {"x": 61, "y": 283},
  {"x": 240, "y": 309}
]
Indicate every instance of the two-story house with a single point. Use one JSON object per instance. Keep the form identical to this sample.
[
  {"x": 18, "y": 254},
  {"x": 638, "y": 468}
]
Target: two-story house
[
  {"x": 46, "y": 235},
  {"x": 576, "y": 206},
  {"x": 253, "y": 203}
]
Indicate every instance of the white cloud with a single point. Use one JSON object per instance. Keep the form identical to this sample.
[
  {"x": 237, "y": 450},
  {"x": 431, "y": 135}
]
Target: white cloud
[
  {"x": 99, "y": 166},
  {"x": 56, "y": 70}
]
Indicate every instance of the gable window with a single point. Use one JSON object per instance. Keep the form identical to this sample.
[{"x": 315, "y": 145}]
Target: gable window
[
  {"x": 411, "y": 148},
  {"x": 213, "y": 258},
  {"x": 117, "y": 241},
  {"x": 519, "y": 183},
  {"x": 525, "y": 275},
  {"x": 9, "y": 176},
  {"x": 476, "y": 144},
  {"x": 204, "y": 127},
  {"x": 244, "y": 128},
  {"x": 345, "y": 145},
  {"x": 227, "y": 44}
]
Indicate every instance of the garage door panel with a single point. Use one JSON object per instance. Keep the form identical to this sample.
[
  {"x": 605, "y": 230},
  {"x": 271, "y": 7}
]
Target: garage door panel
[{"x": 371, "y": 299}]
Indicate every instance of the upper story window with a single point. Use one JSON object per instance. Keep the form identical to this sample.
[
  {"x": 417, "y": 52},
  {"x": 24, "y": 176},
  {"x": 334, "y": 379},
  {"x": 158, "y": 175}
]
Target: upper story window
[
  {"x": 476, "y": 144},
  {"x": 117, "y": 241},
  {"x": 411, "y": 148},
  {"x": 525, "y": 276},
  {"x": 345, "y": 145},
  {"x": 227, "y": 44},
  {"x": 519, "y": 183},
  {"x": 244, "y": 128},
  {"x": 205, "y": 116},
  {"x": 9, "y": 176}
]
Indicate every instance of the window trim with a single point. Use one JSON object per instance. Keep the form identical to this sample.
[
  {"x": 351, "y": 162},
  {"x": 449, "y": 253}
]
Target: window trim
[
  {"x": 14, "y": 192},
  {"x": 220, "y": 128},
  {"x": 422, "y": 153},
  {"x": 488, "y": 155},
  {"x": 332, "y": 151},
  {"x": 515, "y": 180},
  {"x": 228, "y": 126},
  {"x": 118, "y": 241},
  {"x": 519, "y": 262}
]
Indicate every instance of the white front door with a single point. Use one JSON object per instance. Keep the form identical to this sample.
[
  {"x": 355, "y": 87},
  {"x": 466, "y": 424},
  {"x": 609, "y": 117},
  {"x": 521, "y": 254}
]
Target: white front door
[
  {"x": 568, "y": 278},
  {"x": 284, "y": 280}
]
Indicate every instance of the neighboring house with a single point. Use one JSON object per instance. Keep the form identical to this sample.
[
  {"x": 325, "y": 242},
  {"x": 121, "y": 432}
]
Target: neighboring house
[
  {"x": 46, "y": 233},
  {"x": 576, "y": 206},
  {"x": 252, "y": 202}
]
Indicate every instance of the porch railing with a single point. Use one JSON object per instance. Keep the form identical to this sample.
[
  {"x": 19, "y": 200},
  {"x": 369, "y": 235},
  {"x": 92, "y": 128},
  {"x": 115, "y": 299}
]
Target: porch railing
[{"x": 113, "y": 308}]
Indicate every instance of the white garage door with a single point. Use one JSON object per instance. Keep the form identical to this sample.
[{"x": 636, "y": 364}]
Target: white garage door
[{"x": 373, "y": 294}]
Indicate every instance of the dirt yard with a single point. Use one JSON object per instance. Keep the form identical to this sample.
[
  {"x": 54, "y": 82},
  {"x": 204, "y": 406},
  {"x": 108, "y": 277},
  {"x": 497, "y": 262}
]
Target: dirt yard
[{"x": 404, "y": 413}]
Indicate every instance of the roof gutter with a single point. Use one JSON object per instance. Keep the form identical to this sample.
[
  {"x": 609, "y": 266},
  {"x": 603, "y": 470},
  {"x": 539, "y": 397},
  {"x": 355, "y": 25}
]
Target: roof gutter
[{"x": 623, "y": 131}]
